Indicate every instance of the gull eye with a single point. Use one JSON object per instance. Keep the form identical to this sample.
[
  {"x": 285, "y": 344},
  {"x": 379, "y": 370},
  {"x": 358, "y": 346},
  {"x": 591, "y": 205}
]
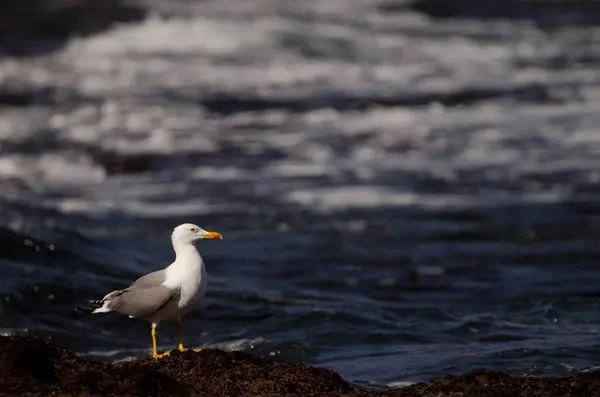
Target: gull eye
[{"x": 193, "y": 230}]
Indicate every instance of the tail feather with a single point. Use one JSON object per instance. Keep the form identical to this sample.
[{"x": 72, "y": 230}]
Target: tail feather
[{"x": 99, "y": 305}]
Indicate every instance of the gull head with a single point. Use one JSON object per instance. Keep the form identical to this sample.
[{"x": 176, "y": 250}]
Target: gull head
[{"x": 188, "y": 233}]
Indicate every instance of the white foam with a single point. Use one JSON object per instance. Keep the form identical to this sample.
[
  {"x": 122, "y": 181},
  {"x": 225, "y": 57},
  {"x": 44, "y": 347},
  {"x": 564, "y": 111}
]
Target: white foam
[
  {"x": 226, "y": 173},
  {"x": 146, "y": 209},
  {"x": 134, "y": 354},
  {"x": 199, "y": 35},
  {"x": 400, "y": 384},
  {"x": 237, "y": 344},
  {"x": 116, "y": 352},
  {"x": 52, "y": 168},
  {"x": 153, "y": 77},
  {"x": 289, "y": 169},
  {"x": 341, "y": 198},
  {"x": 349, "y": 197},
  {"x": 6, "y": 332}
]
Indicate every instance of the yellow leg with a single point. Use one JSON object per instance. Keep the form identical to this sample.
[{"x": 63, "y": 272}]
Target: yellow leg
[
  {"x": 154, "y": 352},
  {"x": 180, "y": 339},
  {"x": 154, "y": 343}
]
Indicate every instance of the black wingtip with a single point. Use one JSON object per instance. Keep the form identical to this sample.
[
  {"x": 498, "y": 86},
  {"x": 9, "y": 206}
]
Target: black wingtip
[
  {"x": 92, "y": 305},
  {"x": 84, "y": 309}
]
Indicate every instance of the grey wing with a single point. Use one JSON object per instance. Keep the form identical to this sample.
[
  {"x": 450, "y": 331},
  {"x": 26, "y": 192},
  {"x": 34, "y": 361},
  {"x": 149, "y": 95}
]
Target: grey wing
[
  {"x": 153, "y": 279},
  {"x": 142, "y": 302}
]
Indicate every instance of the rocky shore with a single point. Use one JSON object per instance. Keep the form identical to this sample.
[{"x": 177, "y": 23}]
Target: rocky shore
[{"x": 33, "y": 367}]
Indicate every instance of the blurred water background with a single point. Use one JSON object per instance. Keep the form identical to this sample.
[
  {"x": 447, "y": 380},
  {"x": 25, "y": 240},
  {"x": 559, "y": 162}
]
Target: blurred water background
[{"x": 406, "y": 189}]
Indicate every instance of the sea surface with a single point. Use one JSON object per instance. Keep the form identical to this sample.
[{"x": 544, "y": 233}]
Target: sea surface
[{"x": 401, "y": 198}]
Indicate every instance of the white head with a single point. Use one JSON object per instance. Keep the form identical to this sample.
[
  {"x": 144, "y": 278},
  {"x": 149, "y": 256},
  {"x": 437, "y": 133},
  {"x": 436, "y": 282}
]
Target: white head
[{"x": 188, "y": 233}]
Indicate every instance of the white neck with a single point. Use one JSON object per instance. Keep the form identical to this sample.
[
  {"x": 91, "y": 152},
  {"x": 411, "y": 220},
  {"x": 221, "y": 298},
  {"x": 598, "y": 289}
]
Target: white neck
[
  {"x": 184, "y": 250},
  {"x": 187, "y": 264}
]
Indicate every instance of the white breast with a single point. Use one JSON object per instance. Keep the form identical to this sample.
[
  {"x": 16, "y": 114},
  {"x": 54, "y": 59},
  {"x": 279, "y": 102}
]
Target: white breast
[
  {"x": 192, "y": 290},
  {"x": 188, "y": 274}
]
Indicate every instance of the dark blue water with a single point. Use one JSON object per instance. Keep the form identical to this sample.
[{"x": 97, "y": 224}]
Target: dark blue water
[{"x": 400, "y": 198}]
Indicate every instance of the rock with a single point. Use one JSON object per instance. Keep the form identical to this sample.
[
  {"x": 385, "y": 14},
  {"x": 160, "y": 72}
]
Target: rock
[
  {"x": 33, "y": 367},
  {"x": 498, "y": 384},
  {"x": 30, "y": 366}
]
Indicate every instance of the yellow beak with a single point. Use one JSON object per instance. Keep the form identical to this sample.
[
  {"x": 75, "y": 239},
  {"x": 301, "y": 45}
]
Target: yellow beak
[{"x": 212, "y": 236}]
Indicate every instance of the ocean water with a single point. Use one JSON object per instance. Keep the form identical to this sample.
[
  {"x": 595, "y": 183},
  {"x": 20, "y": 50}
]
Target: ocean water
[{"x": 401, "y": 198}]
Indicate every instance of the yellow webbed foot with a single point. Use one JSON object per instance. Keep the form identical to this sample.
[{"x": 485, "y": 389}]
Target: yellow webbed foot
[
  {"x": 182, "y": 349},
  {"x": 165, "y": 354}
]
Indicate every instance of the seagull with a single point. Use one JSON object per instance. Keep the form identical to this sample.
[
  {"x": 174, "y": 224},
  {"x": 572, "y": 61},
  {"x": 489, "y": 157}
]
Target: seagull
[{"x": 166, "y": 294}]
